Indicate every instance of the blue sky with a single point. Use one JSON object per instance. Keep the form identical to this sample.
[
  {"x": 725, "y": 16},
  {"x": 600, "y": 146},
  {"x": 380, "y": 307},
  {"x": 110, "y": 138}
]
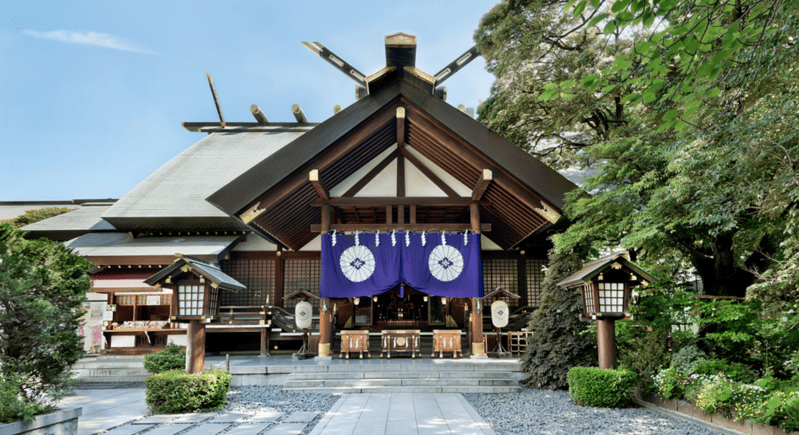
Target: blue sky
[{"x": 92, "y": 93}]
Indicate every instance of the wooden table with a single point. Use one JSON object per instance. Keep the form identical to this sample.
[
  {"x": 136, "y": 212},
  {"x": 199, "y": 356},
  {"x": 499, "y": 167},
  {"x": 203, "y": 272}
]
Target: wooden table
[
  {"x": 447, "y": 340},
  {"x": 401, "y": 341},
  {"x": 354, "y": 341}
]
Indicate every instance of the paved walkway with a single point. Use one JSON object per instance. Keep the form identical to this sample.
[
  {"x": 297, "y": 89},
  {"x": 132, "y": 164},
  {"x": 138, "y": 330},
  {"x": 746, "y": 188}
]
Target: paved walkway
[
  {"x": 123, "y": 412},
  {"x": 402, "y": 413}
]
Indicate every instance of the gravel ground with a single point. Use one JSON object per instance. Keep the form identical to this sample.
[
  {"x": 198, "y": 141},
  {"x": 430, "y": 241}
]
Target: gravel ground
[
  {"x": 532, "y": 411},
  {"x": 252, "y": 399}
]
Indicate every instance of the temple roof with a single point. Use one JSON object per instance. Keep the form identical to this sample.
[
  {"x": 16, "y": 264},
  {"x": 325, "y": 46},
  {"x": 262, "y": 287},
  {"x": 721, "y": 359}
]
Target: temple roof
[
  {"x": 76, "y": 223},
  {"x": 120, "y": 248}
]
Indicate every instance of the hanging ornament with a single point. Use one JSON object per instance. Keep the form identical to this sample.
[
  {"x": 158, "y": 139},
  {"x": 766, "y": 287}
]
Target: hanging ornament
[
  {"x": 377, "y": 238},
  {"x": 393, "y": 238},
  {"x": 357, "y": 242},
  {"x": 424, "y": 239},
  {"x": 465, "y": 238},
  {"x": 443, "y": 239},
  {"x": 334, "y": 237},
  {"x": 407, "y": 238}
]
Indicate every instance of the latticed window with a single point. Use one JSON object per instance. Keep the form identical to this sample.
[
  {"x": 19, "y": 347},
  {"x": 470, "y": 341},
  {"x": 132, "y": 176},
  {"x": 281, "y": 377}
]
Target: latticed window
[
  {"x": 535, "y": 280},
  {"x": 258, "y": 275},
  {"x": 503, "y": 273},
  {"x": 589, "y": 300},
  {"x": 191, "y": 300},
  {"x": 611, "y": 297},
  {"x": 213, "y": 301},
  {"x": 301, "y": 273}
]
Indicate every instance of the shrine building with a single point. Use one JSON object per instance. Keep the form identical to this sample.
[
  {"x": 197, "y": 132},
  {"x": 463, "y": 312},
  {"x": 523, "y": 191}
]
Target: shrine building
[{"x": 399, "y": 212}]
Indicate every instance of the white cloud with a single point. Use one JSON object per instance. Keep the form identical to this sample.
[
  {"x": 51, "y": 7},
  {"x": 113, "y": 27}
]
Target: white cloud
[{"x": 90, "y": 38}]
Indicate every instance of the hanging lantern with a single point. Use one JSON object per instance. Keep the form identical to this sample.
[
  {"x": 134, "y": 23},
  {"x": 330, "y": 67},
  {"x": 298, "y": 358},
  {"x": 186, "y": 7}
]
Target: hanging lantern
[
  {"x": 374, "y": 298},
  {"x": 499, "y": 314},
  {"x": 443, "y": 301},
  {"x": 357, "y": 301},
  {"x": 425, "y": 298},
  {"x": 303, "y": 315}
]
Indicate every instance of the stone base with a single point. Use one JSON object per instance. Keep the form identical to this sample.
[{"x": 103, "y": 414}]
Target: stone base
[
  {"x": 478, "y": 356},
  {"x": 324, "y": 350},
  {"x": 478, "y": 349},
  {"x": 323, "y": 358},
  {"x": 63, "y": 422}
]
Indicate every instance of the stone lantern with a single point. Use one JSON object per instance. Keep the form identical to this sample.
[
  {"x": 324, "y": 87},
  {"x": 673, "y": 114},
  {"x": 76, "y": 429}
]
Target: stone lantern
[
  {"x": 606, "y": 285},
  {"x": 196, "y": 297}
]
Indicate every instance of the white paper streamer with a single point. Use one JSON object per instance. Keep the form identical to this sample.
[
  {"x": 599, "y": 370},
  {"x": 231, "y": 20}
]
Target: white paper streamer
[
  {"x": 424, "y": 238},
  {"x": 334, "y": 237},
  {"x": 443, "y": 239},
  {"x": 465, "y": 238},
  {"x": 407, "y": 238},
  {"x": 393, "y": 238},
  {"x": 357, "y": 242},
  {"x": 377, "y": 238}
]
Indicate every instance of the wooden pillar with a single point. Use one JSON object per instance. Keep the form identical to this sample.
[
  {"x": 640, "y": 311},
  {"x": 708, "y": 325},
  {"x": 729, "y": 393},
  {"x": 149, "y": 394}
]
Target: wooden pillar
[
  {"x": 195, "y": 347},
  {"x": 325, "y": 218},
  {"x": 265, "y": 341},
  {"x": 606, "y": 337},
  {"x": 478, "y": 349},
  {"x": 324, "y": 331},
  {"x": 279, "y": 278}
]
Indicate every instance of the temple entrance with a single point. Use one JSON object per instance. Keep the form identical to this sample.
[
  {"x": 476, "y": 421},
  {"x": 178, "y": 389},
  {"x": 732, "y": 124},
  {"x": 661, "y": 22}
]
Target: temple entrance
[{"x": 402, "y": 308}]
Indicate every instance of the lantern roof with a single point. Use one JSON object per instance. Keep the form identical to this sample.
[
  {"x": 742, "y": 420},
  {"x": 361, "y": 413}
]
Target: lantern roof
[
  {"x": 209, "y": 271},
  {"x": 593, "y": 268},
  {"x": 499, "y": 291}
]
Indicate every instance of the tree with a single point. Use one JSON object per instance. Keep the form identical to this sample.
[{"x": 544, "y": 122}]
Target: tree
[
  {"x": 561, "y": 341},
  {"x": 698, "y": 166},
  {"x": 35, "y": 215},
  {"x": 42, "y": 286}
]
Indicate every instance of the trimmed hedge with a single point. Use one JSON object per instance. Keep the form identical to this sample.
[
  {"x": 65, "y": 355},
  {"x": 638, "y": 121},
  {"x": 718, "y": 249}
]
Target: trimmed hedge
[
  {"x": 175, "y": 391},
  {"x": 172, "y": 357},
  {"x": 592, "y": 386}
]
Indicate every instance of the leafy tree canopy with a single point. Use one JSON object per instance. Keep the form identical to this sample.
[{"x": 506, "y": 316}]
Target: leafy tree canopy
[
  {"x": 35, "y": 215},
  {"x": 687, "y": 109}
]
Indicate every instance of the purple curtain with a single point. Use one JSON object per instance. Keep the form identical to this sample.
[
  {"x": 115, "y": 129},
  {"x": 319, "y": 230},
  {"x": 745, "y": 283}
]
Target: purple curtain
[{"x": 450, "y": 269}]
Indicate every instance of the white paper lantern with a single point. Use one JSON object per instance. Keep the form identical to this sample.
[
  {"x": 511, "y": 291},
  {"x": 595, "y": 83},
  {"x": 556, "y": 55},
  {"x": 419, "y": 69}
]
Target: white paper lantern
[
  {"x": 499, "y": 314},
  {"x": 303, "y": 315}
]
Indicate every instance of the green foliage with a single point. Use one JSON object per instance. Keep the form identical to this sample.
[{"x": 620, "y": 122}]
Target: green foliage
[
  {"x": 735, "y": 371},
  {"x": 42, "y": 286},
  {"x": 172, "y": 357},
  {"x": 592, "y": 386},
  {"x": 781, "y": 409},
  {"x": 561, "y": 341},
  {"x": 731, "y": 399},
  {"x": 687, "y": 359},
  {"x": 35, "y": 215},
  {"x": 175, "y": 391},
  {"x": 670, "y": 383},
  {"x": 12, "y": 406}
]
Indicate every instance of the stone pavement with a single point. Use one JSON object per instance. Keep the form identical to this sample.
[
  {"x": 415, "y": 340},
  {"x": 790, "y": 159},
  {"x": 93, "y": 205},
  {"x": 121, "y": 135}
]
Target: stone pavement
[{"x": 123, "y": 412}]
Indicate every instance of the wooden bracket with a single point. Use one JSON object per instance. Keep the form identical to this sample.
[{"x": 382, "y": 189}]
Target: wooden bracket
[
  {"x": 482, "y": 184},
  {"x": 314, "y": 178}
]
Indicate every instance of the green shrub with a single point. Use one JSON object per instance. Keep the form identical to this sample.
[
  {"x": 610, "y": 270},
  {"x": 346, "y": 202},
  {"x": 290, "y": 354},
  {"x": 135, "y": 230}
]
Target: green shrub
[
  {"x": 738, "y": 372},
  {"x": 173, "y": 357},
  {"x": 12, "y": 407},
  {"x": 781, "y": 409},
  {"x": 175, "y": 391},
  {"x": 592, "y": 386},
  {"x": 670, "y": 383},
  {"x": 687, "y": 359}
]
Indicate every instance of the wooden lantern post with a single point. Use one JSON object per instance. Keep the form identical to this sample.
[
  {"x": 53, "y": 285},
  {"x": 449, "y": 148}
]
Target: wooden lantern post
[{"x": 605, "y": 286}]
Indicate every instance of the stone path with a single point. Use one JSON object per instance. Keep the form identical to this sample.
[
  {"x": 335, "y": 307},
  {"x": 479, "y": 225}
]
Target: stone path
[
  {"x": 402, "y": 413},
  {"x": 123, "y": 411}
]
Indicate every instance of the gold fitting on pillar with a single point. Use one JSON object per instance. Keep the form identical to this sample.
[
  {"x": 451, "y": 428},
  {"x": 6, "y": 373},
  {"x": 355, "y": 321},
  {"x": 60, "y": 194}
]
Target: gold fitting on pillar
[
  {"x": 324, "y": 349},
  {"x": 478, "y": 349}
]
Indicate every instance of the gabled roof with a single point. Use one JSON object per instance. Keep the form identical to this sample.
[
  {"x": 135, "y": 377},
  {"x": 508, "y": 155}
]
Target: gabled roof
[
  {"x": 173, "y": 197},
  {"x": 208, "y": 271},
  {"x": 593, "y": 268},
  {"x": 525, "y": 193},
  {"x": 109, "y": 248}
]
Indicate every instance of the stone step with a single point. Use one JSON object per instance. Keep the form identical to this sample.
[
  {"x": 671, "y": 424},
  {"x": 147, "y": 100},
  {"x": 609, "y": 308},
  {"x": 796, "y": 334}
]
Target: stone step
[
  {"x": 461, "y": 365},
  {"x": 368, "y": 383},
  {"x": 408, "y": 389},
  {"x": 403, "y": 375}
]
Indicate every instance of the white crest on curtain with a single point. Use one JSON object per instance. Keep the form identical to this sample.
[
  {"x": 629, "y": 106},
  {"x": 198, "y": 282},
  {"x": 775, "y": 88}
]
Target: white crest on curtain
[
  {"x": 357, "y": 263},
  {"x": 445, "y": 262}
]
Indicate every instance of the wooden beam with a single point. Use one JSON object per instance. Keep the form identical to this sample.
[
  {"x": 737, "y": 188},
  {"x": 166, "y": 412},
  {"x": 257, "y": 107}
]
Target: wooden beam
[
  {"x": 389, "y": 212},
  {"x": 316, "y": 228},
  {"x": 371, "y": 174},
  {"x": 244, "y": 126},
  {"x": 326, "y": 218},
  {"x": 400, "y": 127},
  {"x": 400, "y": 214},
  {"x": 364, "y": 201},
  {"x": 413, "y": 214},
  {"x": 401, "y": 176},
  {"x": 299, "y": 115},
  {"x": 318, "y": 185},
  {"x": 216, "y": 100},
  {"x": 482, "y": 184},
  {"x": 258, "y": 114},
  {"x": 474, "y": 210},
  {"x": 429, "y": 174}
]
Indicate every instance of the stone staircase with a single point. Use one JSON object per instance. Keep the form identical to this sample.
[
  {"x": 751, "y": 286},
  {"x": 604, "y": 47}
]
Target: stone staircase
[
  {"x": 426, "y": 376},
  {"x": 110, "y": 369}
]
